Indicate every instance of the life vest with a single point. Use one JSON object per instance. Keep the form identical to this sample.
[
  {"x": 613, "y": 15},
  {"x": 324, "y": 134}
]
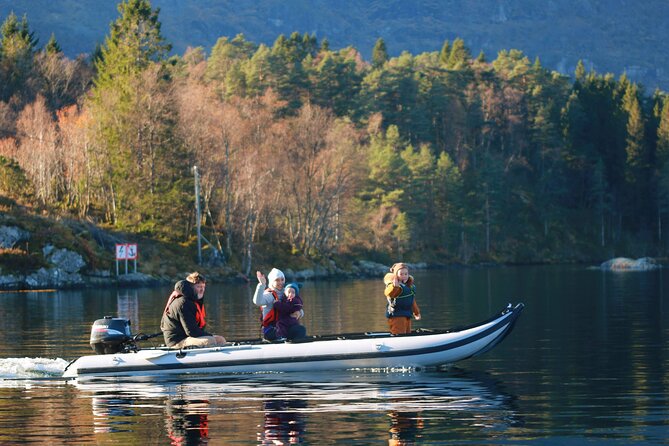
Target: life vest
[
  {"x": 271, "y": 316},
  {"x": 173, "y": 296},
  {"x": 404, "y": 302},
  {"x": 200, "y": 314}
]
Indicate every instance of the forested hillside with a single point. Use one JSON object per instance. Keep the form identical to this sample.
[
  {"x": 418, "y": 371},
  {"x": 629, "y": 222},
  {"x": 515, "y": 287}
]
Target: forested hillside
[
  {"x": 321, "y": 154},
  {"x": 616, "y": 36}
]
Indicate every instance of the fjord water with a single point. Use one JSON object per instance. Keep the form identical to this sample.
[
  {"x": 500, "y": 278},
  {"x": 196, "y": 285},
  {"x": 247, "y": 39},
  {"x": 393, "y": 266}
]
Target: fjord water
[{"x": 588, "y": 362}]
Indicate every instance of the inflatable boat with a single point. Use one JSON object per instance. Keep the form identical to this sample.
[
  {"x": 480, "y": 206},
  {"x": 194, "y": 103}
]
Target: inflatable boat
[{"x": 118, "y": 355}]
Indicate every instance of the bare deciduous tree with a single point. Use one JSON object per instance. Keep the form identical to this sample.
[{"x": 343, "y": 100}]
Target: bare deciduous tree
[
  {"x": 79, "y": 176},
  {"x": 321, "y": 158},
  {"x": 39, "y": 153}
]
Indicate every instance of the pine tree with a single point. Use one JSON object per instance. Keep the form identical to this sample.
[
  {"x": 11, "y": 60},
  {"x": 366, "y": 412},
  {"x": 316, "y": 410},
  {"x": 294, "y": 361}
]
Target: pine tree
[
  {"x": 383, "y": 192},
  {"x": 257, "y": 71},
  {"x": 445, "y": 53},
  {"x": 144, "y": 177},
  {"x": 601, "y": 199},
  {"x": 52, "y": 46},
  {"x": 420, "y": 195},
  {"x": 336, "y": 83},
  {"x": 379, "y": 53},
  {"x": 17, "y": 48},
  {"x": 393, "y": 91},
  {"x": 580, "y": 73},
  {"x": 662, "y": 151},
  {"x": 448, "y": 203},
  {"x": 663, "y": 204},
  {"x": 661, "y": 177},
  {"x": 639, "y": 197},
  {"x": 635, "y": 133},
  {"x": 226, "y": 55},
  {"x": 287, "y": 75},
  {"x": 134, "y": 42},
  {"x": 460, "y": 56}
]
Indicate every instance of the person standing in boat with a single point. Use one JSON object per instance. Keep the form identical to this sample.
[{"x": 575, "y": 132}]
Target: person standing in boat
[
  {"x": 183, "y": 319},
  {"x": 268, "y": 291},
  {"x": 286, "y": 309},
  {"x": 400, "y": 292}
]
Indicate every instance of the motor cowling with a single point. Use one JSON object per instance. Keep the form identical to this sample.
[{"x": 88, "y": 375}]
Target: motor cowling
[{"x": 109, "y": 335}]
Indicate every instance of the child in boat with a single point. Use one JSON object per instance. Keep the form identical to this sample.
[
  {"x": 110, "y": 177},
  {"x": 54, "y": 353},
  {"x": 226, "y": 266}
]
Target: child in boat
[
  {"x": 288, "y": 311},
  {"x": 401, "y": 295}
]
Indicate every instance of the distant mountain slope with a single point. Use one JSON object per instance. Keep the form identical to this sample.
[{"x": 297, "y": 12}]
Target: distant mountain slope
[{"x": 609, "y": 35}]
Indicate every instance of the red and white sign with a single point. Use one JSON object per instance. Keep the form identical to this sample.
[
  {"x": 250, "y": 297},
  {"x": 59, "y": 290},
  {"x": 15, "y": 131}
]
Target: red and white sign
[
  {"x": 121, "y": 251},
  {"x": 131, "y": 251},
  {"x": 126, "y": 251}
]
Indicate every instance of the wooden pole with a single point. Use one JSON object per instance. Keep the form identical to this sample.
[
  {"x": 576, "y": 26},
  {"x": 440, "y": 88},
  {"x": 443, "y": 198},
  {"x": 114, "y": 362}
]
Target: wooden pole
[{"x": 198, "y": 215}]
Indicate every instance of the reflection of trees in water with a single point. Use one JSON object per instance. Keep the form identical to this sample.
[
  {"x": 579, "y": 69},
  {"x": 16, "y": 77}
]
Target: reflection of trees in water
[
  {"x": 284, "y": 421},
  {"x": 187, "y": 421}
]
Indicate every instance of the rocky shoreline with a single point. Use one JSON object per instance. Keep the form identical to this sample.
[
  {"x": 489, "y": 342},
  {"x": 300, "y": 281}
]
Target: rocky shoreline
[
  {"x": 63, "y": 268},
  {"x": 67, "y": 269},
  {"x": 65, "y": 273}
]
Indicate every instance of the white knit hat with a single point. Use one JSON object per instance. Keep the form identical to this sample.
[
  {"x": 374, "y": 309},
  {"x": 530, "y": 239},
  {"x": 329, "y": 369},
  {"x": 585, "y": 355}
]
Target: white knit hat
[{"x": 275, "y": 274}]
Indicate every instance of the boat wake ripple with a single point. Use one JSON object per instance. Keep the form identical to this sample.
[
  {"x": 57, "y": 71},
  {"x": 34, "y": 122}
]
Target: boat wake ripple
[{"x": 25, "y": 368}]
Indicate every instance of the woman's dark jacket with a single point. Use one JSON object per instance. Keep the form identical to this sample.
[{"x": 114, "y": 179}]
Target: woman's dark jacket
[{"x": 179, "y": 318}]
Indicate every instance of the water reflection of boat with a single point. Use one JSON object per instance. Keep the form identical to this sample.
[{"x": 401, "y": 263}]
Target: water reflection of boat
[
  {"x": 187, "y": 421},
  {"x": 405, "y": 428},
  {"x": 284, "y": 421},
  {"x": 419, "y": 349},
  {"x": 403, "y": 396},
  {"x": 108, "y": 410}
]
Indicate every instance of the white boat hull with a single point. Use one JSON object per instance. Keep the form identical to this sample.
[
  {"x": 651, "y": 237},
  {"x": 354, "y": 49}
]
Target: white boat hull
[{"x": 372, "y": 350}]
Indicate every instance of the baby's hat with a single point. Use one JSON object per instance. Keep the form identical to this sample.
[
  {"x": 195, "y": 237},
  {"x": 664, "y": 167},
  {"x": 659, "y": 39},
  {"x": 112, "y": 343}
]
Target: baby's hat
[
  {"x": 295, "y": 286},
  {"x": 274, "y": 274}
]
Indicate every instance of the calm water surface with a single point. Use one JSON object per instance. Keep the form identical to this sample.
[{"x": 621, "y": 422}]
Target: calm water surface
[{"x": 588, "y": 362}]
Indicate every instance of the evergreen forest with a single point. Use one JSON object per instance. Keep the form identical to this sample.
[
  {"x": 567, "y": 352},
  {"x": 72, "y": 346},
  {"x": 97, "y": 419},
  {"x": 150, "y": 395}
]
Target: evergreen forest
[{"x": 306, "y": 151}]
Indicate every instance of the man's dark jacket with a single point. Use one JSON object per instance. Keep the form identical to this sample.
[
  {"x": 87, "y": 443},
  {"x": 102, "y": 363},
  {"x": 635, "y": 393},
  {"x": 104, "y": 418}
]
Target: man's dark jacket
[{"x": 179, "y": 319}]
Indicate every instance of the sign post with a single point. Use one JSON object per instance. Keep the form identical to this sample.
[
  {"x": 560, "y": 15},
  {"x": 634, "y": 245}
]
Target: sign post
[
  {"x": 125, "y": 252},
  {"x": 132, "y": 255},
  {"x": 121, "y": 254}
]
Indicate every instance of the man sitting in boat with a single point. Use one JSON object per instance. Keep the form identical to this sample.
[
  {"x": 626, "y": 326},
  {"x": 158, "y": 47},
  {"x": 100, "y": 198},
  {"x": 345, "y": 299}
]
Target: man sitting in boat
[
  {"x": 268, "y": 291},
  {"x": 183, "y": 320},
  {"x": 199, "y": 283}
]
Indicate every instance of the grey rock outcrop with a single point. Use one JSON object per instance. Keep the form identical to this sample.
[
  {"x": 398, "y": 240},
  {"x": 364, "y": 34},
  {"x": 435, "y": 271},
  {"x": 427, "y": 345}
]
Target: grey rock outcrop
[
  {"x": 369, "y": 268},
  {"x": 64, "y": 271},
  {"x": 11, "y": 235},
  {"x": 63, "y": 259},
  {"x": 625, "y": 264},
  {"x": 52, "y": 277},
  {"x": 9, "y": 281}
]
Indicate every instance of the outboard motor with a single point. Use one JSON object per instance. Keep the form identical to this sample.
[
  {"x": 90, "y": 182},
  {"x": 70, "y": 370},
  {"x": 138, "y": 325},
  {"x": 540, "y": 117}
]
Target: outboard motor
[{"x": 110, "y": 335}]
